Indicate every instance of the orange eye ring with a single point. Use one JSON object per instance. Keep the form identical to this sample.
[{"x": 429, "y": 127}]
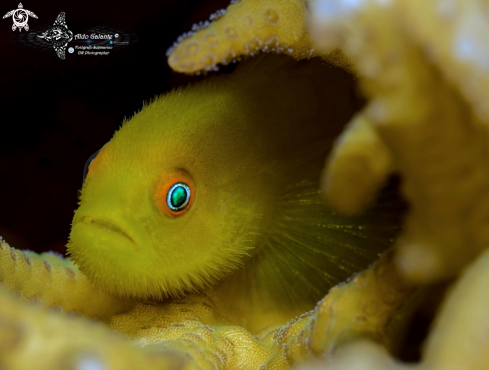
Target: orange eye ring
[{"x": 175, "y": 193}]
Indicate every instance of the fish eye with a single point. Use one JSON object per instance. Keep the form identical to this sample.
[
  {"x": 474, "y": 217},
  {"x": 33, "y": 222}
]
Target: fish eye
[
  {"x": 178, "y": 196},
  {"x": 174, "y": 193},
  {"x": 87, "y": 164}
]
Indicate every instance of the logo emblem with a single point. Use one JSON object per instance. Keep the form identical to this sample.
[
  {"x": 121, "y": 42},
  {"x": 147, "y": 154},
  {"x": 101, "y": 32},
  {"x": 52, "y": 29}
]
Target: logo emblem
[
  {"x": 20, "y": 16},
  {"x": 59, "y": 35}
]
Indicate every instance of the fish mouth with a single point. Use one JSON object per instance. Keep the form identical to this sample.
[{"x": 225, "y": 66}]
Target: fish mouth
[{"x": 89, "y": 220}]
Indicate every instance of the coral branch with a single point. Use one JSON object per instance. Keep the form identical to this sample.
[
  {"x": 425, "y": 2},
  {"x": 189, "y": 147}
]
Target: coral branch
[
  {"x": 357, "y": 166},
  {"x": 363, "y": 307},
  {"x": 436, "y": 141},
  {"x": 457, "y": 340},
  {"x": 54, "y": 282},
  {"x": 74, "y": 343},
  {"x": 245, "y": 28}
]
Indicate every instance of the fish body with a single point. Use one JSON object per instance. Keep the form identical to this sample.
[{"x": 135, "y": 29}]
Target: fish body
[{"x": 215, "y": 187}]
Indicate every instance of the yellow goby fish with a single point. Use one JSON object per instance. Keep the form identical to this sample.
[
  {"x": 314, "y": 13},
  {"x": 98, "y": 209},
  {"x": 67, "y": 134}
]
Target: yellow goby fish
[{"x": 215, "y": 187}]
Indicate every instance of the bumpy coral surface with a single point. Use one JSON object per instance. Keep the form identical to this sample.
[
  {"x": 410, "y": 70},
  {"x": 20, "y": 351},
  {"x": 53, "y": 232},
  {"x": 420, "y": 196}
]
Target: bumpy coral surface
[
  {"x": 32, "y": 337},
  {"x": 458, "y": 340},
  {"x": 188, "y": 333},
  {"x": 246, "y": 28},
  {"x": 52, "y": 281},
  {"x": 434, "y": 138}
]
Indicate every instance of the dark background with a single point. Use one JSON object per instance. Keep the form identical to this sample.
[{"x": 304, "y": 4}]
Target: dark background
[{"x": 56, "y": 113}]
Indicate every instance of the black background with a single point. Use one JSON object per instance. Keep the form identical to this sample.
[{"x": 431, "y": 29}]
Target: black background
[{"x": 56, "y": 113}]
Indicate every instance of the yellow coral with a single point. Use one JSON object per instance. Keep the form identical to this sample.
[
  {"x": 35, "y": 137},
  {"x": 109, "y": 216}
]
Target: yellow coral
[
  {"x": 55, "y": 282},
  {"x": 193, "y": 334},
  {"x": 457, "y": 340},
  {"x": 422, "y": 121},
  {"x": 33, "y": 338},
  {"x": 364, "y": 306},
  {"x": 245, "y": 28}
]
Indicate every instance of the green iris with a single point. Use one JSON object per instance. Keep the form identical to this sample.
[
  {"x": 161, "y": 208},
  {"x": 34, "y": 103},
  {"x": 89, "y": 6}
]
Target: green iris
[{"x": 178, "y": 196}]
